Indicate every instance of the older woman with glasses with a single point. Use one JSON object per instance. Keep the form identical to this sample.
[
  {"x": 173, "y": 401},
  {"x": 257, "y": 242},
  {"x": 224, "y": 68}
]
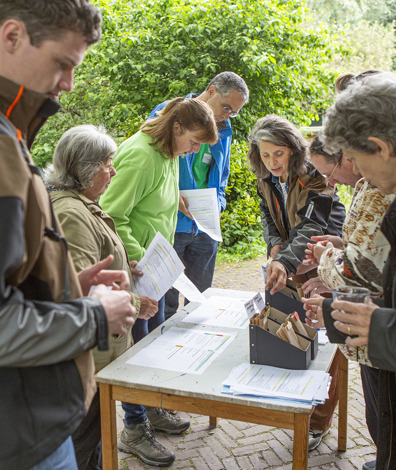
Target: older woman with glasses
[
  {"x": 81, "y": 172},
  {"x": 362, "y": 123}
]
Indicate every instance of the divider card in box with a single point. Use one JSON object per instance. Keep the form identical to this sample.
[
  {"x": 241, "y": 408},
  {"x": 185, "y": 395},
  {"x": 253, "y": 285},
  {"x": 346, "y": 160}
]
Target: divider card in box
[
  {"x": 311, "y": 334},
  {"x": 285, "y": 304}
]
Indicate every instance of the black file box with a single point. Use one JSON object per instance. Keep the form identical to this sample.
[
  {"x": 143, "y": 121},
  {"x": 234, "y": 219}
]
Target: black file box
[{"x": 268, "y": 349}]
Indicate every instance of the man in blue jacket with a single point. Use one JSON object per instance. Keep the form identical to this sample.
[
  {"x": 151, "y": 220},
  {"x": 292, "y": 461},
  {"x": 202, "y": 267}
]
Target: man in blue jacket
[{"x": 209, "y": 168}]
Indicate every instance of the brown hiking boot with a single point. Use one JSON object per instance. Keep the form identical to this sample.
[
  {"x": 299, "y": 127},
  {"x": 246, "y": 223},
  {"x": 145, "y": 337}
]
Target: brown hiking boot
[
  {"x": 140, "y": 440},
  {"x": 163, "y": 420}
]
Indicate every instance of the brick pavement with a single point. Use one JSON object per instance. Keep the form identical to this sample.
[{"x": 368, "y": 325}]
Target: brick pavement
[{"x": 236, "y": 445}]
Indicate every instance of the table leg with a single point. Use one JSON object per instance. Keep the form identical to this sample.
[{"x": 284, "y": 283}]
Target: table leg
[
  {"x": 109, "y": 428},
  {"x": 300, "y": 441},
  {"x": 213, "y": 421},
  {"x": 343, "y": 403}
]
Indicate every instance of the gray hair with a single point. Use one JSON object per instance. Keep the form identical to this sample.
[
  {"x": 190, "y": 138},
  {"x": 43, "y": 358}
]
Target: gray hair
[
  {"x": 225, "y": 82},
  {"x": 78, "y": 156},
  {"x": 365, "y": 109},
  {"x": 281, "y": 132}
]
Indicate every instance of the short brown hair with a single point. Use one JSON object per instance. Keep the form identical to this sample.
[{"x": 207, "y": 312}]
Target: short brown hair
[
  {"x": 317, "y": 148},
  {"x": 192, "y": 115},
  {"x": 278, "y": 131},
  {"x": 49, "y": 19}
]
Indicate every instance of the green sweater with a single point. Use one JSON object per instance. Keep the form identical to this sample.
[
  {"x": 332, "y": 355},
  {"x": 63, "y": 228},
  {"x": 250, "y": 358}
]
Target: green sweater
[{"x": 143, "y": 196}]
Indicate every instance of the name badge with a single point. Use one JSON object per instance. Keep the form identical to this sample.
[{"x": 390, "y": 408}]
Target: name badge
[{"x": 207, "y": 158}]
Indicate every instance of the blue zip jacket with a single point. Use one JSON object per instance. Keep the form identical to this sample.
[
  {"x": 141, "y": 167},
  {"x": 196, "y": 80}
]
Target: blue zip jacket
[{"x": 218, "y": 174}]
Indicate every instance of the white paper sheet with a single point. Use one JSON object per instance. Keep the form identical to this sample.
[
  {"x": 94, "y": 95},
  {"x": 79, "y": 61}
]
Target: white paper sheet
[
  {"x": 183, "y": 350},
  {"x": 161, "y": 267},
  {"x": 267, "y": 381},
  {"x": 188, "y": 289},
  {"x": 204, "y": 208},
  {"x": 221, "y": 312},
  {"x": 322, "y": 336}
]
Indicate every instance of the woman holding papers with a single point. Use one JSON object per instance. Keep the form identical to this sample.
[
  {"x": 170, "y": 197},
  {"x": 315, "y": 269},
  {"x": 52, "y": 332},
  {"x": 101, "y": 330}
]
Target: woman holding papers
[
  {"x": 143, "y": 199},
  {"x": 81, "y": 171},
  {"x": 296, "y": 203}
]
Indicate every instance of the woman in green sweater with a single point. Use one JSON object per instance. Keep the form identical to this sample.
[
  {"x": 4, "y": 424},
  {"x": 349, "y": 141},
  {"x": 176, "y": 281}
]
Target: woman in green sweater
[{"x": 143, "y": 199}]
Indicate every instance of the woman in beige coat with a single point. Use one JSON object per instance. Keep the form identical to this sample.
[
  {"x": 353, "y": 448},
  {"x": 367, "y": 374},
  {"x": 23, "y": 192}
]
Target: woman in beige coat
[{"x": 81, "y": 171}]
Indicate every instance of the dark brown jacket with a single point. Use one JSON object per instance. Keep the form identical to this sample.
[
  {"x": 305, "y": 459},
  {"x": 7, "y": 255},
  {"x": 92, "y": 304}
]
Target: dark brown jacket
[
  {"x": 45, "y": 335},
  {"x": 312, "y": 208}
]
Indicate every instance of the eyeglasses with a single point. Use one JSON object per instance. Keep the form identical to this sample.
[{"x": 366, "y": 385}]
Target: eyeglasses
[
  {"x": 228, "y": 110},
  {"x": 109, "y": 166},
  {"x": 333, "y": 171}
]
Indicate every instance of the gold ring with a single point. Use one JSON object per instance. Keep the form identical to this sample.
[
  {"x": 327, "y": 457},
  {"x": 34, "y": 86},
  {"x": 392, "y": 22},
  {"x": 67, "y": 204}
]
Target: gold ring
[{"x": 349, "y": 330}]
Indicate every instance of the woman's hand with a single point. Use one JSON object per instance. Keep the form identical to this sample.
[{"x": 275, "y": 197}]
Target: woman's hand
[
  {"x": 353, "y": 319},
  {"x": 334, "y": 240},
  {"x": 315, "y": 286},
  {"x": 183, "y": 206},
  {"x": 148, "y": 308},
  {"x": 135, "y": 272},
  {"x": 313, "y": 307},
  {"x": 276, "y": 277}
]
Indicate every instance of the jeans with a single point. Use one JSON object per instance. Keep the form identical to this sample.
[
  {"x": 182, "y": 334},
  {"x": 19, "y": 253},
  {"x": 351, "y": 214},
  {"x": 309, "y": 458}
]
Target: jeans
[
  {"x": 63, "y": 458},
  {"x": 198, "y": 254},
  {"x": 136, "y": 413}
]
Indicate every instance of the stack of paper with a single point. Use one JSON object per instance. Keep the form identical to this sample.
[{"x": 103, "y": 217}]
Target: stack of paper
[{"x": 307, "y": 386}]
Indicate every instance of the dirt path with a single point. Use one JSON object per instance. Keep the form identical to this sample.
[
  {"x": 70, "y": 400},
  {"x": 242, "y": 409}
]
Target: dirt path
[{"x": 244, "y": 275}]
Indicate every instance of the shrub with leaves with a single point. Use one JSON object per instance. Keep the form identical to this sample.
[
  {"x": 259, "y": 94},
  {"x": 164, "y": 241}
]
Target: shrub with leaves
[{"x": 158, "y": 49}]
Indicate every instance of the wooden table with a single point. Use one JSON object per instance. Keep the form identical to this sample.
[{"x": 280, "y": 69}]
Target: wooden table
[{"x": 200, "y": 394}]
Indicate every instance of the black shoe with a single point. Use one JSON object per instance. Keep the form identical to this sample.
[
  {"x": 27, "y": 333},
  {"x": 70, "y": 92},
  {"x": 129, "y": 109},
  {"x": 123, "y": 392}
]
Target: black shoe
[
  {"x": 369, "y": 465},
  {"x": 315, "y": 438}
]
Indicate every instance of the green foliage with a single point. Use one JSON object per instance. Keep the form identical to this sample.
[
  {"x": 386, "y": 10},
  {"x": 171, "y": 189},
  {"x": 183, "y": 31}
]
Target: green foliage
[
  {"x": 241, "y": 224},
  {"x": 362, "y": 28},
  {"x": 158, "y": 49}
]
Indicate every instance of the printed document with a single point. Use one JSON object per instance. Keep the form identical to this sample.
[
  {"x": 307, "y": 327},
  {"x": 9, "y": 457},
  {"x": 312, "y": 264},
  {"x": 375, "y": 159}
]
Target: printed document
[
  {"x": 188, "y": 289},
  {"x": 161, "y": 267},
  {"x": 203, "y": 206},
  {"x": 221, "y": 312},
  {"x": 183, "y": 350},
  {"x": 267, "y": 381}
]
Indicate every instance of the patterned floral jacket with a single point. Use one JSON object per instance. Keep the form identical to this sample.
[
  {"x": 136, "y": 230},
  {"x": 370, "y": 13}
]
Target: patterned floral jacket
[{"x": 365, "y": 251}]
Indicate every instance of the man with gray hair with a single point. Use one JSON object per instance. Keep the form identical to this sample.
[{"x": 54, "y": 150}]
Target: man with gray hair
[{"x": 226, "y": 93}]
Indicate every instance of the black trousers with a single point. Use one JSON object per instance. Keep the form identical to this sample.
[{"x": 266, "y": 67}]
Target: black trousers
[
  {"x": 370, "y": 382},
  {"x": 87, "y": 439}
]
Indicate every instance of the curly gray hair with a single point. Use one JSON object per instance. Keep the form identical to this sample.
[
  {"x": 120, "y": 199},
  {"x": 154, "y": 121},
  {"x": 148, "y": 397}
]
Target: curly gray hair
[
  {"x": 365, "y": 109},
  {"x": 78, "y": 156}
]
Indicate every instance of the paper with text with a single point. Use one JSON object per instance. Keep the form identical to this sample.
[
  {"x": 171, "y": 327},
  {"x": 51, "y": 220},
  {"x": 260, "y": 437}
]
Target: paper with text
[
  {"x": 267, "y": 381},
  {"x": 221, "y": 312},
  {"x": 183, "y": 350},
  {"x": 188, "y": 289},
  {"x": 160, "y": 266},
  {"x": 203, "y": 206}
]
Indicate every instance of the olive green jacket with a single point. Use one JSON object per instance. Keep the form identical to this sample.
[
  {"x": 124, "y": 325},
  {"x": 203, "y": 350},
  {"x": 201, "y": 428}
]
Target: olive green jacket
[{"x": 91, "y": 236}]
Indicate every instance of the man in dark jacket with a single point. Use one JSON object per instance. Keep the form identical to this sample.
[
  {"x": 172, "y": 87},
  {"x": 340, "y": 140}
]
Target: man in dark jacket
[
  {"x": 46, "y": 328},
  {"x": 362, "y": 123}
]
